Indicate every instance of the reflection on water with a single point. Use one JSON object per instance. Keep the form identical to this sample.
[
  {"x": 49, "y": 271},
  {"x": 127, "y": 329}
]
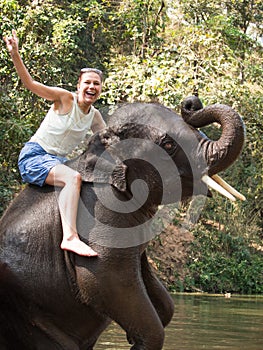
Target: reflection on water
[{"x": 204, "y": 322}]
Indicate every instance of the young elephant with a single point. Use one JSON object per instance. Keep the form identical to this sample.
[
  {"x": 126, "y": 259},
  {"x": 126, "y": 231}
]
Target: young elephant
[{"x": 147, "y": 156}]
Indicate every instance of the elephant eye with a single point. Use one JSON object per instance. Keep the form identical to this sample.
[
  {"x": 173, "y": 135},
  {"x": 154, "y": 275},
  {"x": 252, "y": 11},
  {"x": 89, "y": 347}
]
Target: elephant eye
[{"x": 169, "y": 145}]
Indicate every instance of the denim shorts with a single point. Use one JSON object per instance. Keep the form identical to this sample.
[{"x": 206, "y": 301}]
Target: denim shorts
[{"x": 35, "y": 163}]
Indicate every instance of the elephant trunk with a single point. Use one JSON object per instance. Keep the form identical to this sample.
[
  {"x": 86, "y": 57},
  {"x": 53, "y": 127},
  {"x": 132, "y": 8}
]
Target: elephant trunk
[{"x": 219, "y": 154}]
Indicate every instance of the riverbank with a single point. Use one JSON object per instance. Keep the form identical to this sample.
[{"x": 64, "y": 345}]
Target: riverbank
[
  {"x": 168, "y": 255},
  {"x": 212, "y": 257}
]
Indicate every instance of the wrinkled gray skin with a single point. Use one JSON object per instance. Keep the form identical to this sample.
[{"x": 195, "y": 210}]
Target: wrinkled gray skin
[{"x": 53, "y": 299}]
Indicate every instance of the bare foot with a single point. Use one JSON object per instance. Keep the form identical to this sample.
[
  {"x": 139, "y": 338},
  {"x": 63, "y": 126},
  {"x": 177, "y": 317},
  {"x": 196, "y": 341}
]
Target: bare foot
[{"x": 75, "y": 245}]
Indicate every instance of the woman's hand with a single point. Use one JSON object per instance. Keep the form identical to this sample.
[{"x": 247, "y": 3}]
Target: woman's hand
[
  {"x": 12, "y": 43},
  {"x": 61, "y": 97}
]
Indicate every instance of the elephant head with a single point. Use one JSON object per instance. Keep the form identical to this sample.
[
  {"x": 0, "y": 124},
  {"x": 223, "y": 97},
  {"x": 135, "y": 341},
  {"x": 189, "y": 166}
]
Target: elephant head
[
  {"x": 152, "y": 156},
  {"x": 173, "y": 158}
]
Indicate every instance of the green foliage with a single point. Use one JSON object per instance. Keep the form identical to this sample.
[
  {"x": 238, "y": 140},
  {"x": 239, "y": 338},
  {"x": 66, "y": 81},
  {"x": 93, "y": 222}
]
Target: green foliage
[
  {"x": 145, "y": 79},
  {"x": 197, "y": 12},
  {"x": 225, "y": 259}
]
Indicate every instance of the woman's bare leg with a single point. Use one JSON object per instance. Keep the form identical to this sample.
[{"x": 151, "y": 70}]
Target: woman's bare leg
[{"x": 70, "y": 180}]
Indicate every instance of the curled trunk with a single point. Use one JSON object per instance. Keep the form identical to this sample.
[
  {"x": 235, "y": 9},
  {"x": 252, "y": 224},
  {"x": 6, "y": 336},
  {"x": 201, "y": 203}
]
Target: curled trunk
[{"x": 219, "y": 154}]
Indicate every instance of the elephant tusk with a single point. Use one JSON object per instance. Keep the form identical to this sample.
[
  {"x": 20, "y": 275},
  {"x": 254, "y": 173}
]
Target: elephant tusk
[
  {"x": 214, "y": 185},
  {"x": 229, "y": 188}
]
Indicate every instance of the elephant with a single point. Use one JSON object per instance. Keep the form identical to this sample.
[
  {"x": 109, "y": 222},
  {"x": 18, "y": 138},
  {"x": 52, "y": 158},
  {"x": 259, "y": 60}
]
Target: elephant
[{"x": 147, "y": 157}]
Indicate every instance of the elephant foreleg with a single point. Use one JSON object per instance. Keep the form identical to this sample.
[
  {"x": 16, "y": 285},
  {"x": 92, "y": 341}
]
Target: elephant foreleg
[
  {"x": 133, "y": 311},
  {"x": 159, "y": 296}
]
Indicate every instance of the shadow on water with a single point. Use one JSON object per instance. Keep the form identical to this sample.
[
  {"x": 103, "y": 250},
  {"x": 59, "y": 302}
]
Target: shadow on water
[{"x": 204, "y": 322}]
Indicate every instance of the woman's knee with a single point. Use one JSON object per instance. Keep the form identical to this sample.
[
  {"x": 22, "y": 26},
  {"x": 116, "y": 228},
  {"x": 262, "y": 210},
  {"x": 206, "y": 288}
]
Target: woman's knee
[
  {"x": 62, "y": 175},
  {"x": 76, "y": 179}
]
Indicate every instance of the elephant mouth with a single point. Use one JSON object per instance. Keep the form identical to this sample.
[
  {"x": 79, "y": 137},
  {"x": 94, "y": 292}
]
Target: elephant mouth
[{"x": 218, "y": 184}]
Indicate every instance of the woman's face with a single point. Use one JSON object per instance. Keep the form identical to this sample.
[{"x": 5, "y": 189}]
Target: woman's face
[{"x": 89, "y": 89}]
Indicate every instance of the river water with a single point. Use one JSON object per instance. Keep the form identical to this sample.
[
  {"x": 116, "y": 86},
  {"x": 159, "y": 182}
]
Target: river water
[{"x": 204, "y": 322}]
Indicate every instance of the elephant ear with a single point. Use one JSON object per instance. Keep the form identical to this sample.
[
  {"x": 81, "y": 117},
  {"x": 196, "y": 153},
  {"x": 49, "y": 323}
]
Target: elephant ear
[{"x": 99, "y": 164}]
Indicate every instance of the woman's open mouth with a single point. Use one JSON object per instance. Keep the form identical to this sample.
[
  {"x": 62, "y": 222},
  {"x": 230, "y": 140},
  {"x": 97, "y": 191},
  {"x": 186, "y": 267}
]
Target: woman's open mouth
[{"x": 90, "y": 93}]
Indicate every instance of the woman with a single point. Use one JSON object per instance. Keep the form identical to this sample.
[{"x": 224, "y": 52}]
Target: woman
[{"x": 42, "y": 159}]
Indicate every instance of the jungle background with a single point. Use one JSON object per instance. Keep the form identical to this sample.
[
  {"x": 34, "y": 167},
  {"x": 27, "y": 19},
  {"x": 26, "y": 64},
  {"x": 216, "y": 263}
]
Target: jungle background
[{"x": 154, "y": 51}]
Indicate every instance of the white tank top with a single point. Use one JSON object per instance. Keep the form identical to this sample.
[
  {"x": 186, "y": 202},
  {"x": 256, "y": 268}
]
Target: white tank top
[{"x": 59, "y": 134}]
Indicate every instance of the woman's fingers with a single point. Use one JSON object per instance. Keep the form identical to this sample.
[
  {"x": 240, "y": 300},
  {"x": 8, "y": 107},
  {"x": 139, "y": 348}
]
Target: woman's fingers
[
  {"x": 14, "y": 34},
  {"x": 11, "y": 39}
]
